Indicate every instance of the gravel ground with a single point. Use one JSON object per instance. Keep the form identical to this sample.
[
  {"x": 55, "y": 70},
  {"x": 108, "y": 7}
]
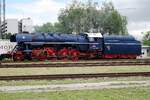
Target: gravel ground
[{"x": 83, "y": 86}]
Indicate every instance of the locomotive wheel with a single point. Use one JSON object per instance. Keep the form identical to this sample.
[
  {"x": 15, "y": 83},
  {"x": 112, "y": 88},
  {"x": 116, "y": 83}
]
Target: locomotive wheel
[
  {"x": 50, "y": 53},
  {"x": 39, "y": 54},
  {"x": 63, "y": 54},
  {"x": 18, "y": 56},
  {"x": 132, "y": 56},
  {"x": 74, "y": 54},
  {"x": 35, "y": 54}
]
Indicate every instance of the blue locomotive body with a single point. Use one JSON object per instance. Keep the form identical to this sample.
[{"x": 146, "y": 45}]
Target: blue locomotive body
[
  {"x": 69, "y": 46},
  {"x": 121, "y": 46},
  {"x": 81, "y": 41},
  {"x": 47, "y": 37}
]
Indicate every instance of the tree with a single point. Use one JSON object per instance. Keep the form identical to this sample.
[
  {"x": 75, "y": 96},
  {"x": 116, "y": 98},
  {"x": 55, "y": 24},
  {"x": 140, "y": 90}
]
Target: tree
[
  {"x": 71, "y": 18},
  {"x": 146, "y": 39},
  {"x": 85, "y": 17},
  {"x": 48, "y": 27},
  {"x": 112, "y": 21},
  {"x": 6, "y": 35},
  {"x": 58, "y": 27}
]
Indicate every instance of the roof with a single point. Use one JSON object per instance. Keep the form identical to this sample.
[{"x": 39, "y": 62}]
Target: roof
[
  {"x": 99, "y": 35},
  {"x": 118, "y": 37},
  {"x": 146, "y": 47}
]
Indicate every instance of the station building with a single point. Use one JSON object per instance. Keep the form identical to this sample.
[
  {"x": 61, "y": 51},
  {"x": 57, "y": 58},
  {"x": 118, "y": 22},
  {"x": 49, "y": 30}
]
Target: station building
[
  {"x": 145, "y": 51},
  {"x": 10, "y": 26},
  {"x": 14, "y": 26},
  {"x": 26, "y": 25}
]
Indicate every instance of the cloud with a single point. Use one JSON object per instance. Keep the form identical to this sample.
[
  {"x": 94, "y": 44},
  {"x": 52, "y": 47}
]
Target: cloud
[
  {"x": 40, "y": 10},
  {"x": 137, "y": 12}
]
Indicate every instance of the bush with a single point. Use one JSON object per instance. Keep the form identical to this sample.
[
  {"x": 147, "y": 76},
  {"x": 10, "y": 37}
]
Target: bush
[{"x": 147, "y": 42}]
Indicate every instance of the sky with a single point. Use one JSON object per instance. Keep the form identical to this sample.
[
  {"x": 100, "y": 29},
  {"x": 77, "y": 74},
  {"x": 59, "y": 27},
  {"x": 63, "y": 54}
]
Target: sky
[{"x": 42, "y": 11}]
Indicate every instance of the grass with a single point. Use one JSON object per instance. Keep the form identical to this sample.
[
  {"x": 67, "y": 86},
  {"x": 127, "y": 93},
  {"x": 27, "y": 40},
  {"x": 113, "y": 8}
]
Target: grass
[
  {"x": 71, "y": 70},
  {"x": 142, "y": 93},
  {"x": 36, "y": 71},
  {"x": 70, "y": 81}
]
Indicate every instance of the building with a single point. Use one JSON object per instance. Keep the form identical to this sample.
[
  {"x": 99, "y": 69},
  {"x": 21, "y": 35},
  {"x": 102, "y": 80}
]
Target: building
[
  {"x": 26, "y": 25},
  {"x": 10, "y": 26},
  {"x": 14, "y": 26},
  {"x": 145, "y": 51}
]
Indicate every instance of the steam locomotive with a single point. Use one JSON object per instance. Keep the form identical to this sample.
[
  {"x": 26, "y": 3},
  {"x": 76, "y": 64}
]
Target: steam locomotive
[{"x": 58, "y": 46}]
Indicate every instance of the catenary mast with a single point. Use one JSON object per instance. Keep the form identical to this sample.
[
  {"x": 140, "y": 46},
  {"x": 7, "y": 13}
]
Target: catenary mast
[
  {"x": 4, "y": 17},
  {"x": 0, "y": 19}
]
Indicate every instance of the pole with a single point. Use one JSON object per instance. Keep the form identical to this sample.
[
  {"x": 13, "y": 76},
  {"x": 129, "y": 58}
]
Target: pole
[
  {"x": 1, "y": 19},
  {"x": 4, "y": 15},
  {"x": 4, "y": 10}
]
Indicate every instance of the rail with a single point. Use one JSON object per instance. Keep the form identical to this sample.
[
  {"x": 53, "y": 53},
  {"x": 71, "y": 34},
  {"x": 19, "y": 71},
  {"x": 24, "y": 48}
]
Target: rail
[
  {"x": 75, "y": 64},
  {"x": 72, "y": 76}
]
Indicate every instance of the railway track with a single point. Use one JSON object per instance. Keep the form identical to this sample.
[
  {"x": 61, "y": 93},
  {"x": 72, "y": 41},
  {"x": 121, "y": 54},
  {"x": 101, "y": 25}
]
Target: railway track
[
  {"x": 75, "y": 64},
  {"x": 72, "y": 76},
  {"x": 61, "y": 61}
]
